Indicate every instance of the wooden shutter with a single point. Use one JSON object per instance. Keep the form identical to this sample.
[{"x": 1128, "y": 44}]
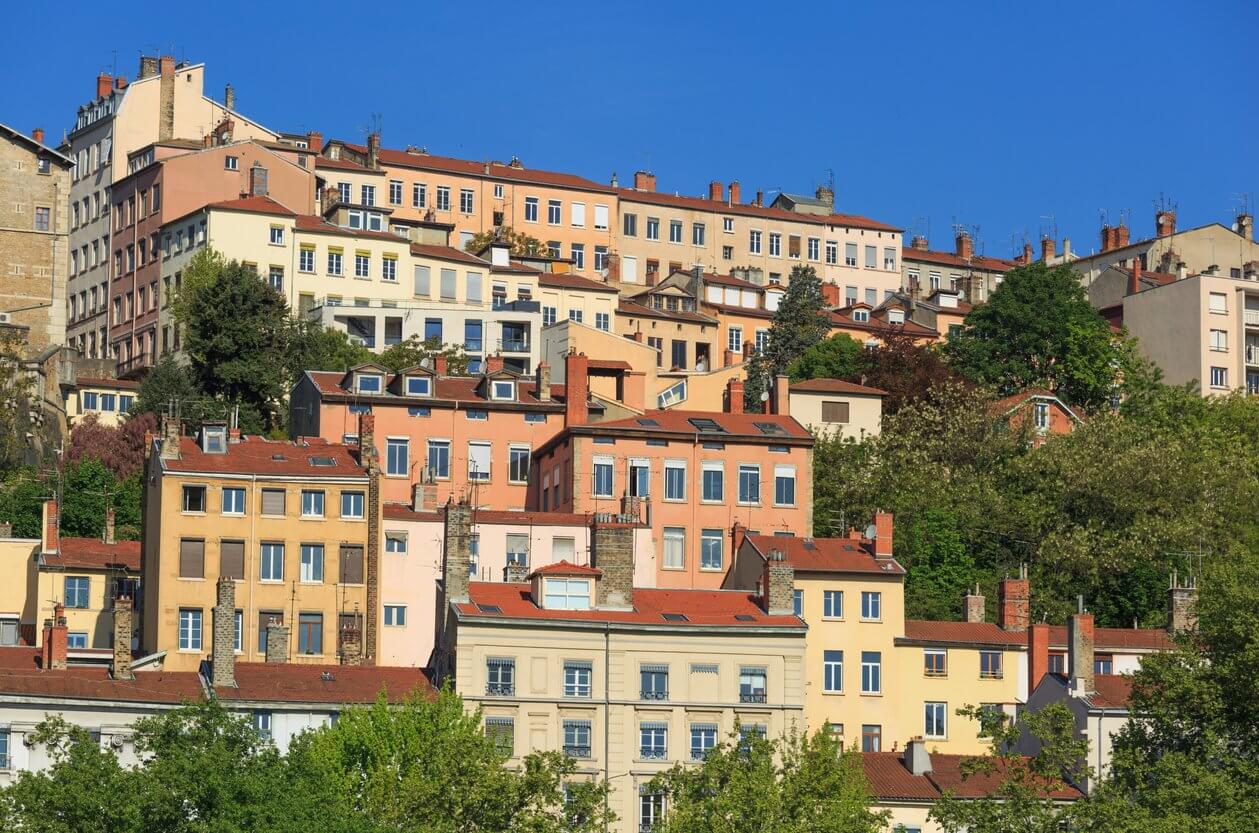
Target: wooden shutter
[
  {"x": 351, "y": 564},
  {"x": 273, "y": 501},
  {"x": 835, "y": 412},
  {"x": 191, "y": 558},
  {"x": 232, "y": 559}
]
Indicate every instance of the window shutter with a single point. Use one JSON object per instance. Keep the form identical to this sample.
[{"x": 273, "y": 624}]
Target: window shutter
[
  {"x": 232, "y": 559},
  {"x": 448, "y": 284},
  {"x": 835, "y": 412},
  {"x": 351, "y": 564},
  {"x": 479, "y": 458},
  {"x": 272, "y": 502},
  {"x": 601, "y": 216},
  {"x": 474, "y": 287},
  {"x": 422, "y": 278},
  {"x": 191, "y": 558}
]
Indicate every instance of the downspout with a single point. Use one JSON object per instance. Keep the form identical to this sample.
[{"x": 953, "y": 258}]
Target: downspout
[{"x": 607, "y": 630}]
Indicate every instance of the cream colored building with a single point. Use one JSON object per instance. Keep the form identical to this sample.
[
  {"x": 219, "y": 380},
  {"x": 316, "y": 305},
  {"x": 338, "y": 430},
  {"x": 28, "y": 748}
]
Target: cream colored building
[
  {"x": 627, "y": 681},
  {"x": 972, "y": 275},
  {"x": 109, "y": 399},
  {"x": 833, "y": 407}
]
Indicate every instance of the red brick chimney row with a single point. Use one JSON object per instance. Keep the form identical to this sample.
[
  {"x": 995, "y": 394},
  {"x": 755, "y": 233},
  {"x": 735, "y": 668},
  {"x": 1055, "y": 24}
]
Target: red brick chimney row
[
  {"x": 735, "y": 192},
  {"x": 734, "y": 396},
  {"x": 644, "y": 181}
]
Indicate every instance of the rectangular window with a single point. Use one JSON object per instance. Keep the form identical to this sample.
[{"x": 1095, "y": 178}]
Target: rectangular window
[
  {"x": 362, "y": 265},
  {"x": 734, "y": 339},
  {"x": 398, "y": 453},
  {"x": 191, "y": 558},
  {"x": 312, "y": 563},
  {"x": 775, "y": 244},
  {"x": 703, "y": 738},
  {"x": 990, "y": 665},
  {"x": 502, "y": 731},
  {"x": 310, "y": 633},
  {"x": 814, "y": 246},
  {"x": 836, "y": 412},
  {"x": 639, "y": 484},
  {"x": 465, "y": 200},
  {"x": 1218, "y": 302},
  {"x": 273, "y": 501},
  {"x": 675, "y": 480},
  {"x": 479, "y": 461},
  {"x": 601, "y": 482},
  {"x": 577, "y": 678},
  {"x": 395, "y": 616},
  {"x": 711, "y": 545},
  {"x": 472, "y": 330},
  {"x": 194, "y": 496},
  {"x": 189, "y": 629},
  {"x": 443, "y": 197},
  {"x": 233, "y": 501},
  {"x": 850, "y": 255},
  {"x": 653, "y": 228},
  {"x": 784, "y": 485},
  {"x": 352, "y": 504},
  {"x": 396, "y": 542},
  {"x": 439, "y": 459},
  {"x": 578, "y": 212},
  {"x": 871, "y": 672},
  {"x": 577, "y": 738},
  {"x": 74, "y": 639},
  {"x": 712, "y": 478},
  {"x": 419, "y": 195},
  {"x": 652, "y": 741},
  {"x": 653, "y": 682},
  {"x": 276, "y": 237},
  {"x": 833, "y": 672},
  {"x": 749, "y": 483},
  {"x": 579, "y": 257},
  {"x": 389, "y": 269},
  {"x": 1219, "y": 377},
  {"x": 531, "y": 209},
  {"x": 272, "y": 558},
  {"x": 518, "y": 549},
  {"x": 312, "y": 503},
  {"x": 232, "y": 559},
  {"x": 754, "y": 242},
  {"x": 500, "y": 676},
  {"x": 934, "y": 726},
  {"x": 1104, "y": 664},
  {"x": 548, "y": 316},
  {"x": 306, "y": 259},
  {"x": 602, "y": 321},
  {"x": 518, "y": 464},
  {"x": 832, "y": 604},
  {"x": 674, "y": 548},
  {"x": 871, "y": 605},
  {"x": 334, "y": 263},
  {"x": 797, "y": 601},
  {"x": 752, "y": 685},
  {"x": 1041, "y": 415},
  {"x": 553, "y": 212},
  {"x": 77, "y": 591},
  {"x": 368, "y": 193},
  {"x": 871, "y": 738},
  {"x": 872, "y": 257},
  {"x": 629, "y": 225},
  {"x": 351, "y": 564},
  {"x": 935, "y": 662}
]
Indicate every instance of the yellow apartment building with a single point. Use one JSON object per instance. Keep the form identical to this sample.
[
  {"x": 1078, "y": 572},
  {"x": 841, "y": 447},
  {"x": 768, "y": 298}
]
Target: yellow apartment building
[
  {"x": 296, "y": 524},
  {"x": 628, "y": 681},
  {"x": 109, "y": 399}
]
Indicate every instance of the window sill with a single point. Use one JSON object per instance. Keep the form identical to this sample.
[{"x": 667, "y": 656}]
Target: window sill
[
  {"x": 312, "y": 518},
  {"x": 871, "y": 694},
  {"x": 188, "y": 651},
  {"x": 872, "y": 621},
  {"x": 184, "y": 578},
  {"x": 833, "y": 619},
  {"x": 832, "y": 693},
  {"x": 711, "y": 569},
  {"x": 785, "y": 506}
]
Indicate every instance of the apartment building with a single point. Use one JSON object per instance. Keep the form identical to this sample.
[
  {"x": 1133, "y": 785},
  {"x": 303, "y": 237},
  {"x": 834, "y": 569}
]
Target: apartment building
[
  {"x": 943, "y": 311},
  {"x": 628, "y": 681},
  {"x": 661, "y": 233},
  {"x": 166, "y": 182},
  {"x": 872, "y": 325},
  {"x": 689, "y": 475},
  {"x": 164, "y": 102},
  {"x": 295, "y": 525},
  {"x": 573, "y": 216},
  {"x": 972, "y": 276},
  {"x": 109, "y": 399},
  {"x": 835, "y": 408}
]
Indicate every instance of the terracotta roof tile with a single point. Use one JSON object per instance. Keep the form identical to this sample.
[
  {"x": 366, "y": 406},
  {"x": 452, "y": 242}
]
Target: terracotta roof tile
[
  {"x": 342, "y": 165},
  {"x": 468, "y": 167},
  {"x": 835, "y": 386},
  {"x": 890, "y": 779},
  {"x": 255, "y": 455},
  {"x": 841, "y": 318},
  {"x": 826, "y": 555},
  {"x": 988, "y": 264},
  {"x": 21, "y": 674},
  {"x": 628, "y": 307},
  {"x": 1111, "y": 691},
  {"x": 445, "y": 388},
  {"x": 447, "y": 253},
  {"x": 254, "y": 205},
  {"x": 94, "y": 554},
  {"x": 564, "y": 280},
  {"x": 745, "y": 209},
  {"x": 318, "y": 225},
  {"x": 988, "y": 633},
  {"x": 735, "y": 425},
  {"x": 1118, "y": 639},
  {"x": 402, "y": 512},
  {"x": 564, "y": 568},
  {"x": 300, "y": 683},
  {"x": 97, "y": 382}
]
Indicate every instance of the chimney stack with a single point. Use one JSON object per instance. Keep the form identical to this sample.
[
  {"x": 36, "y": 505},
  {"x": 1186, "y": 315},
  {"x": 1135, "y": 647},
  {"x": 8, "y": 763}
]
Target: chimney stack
[
  {"x": 1080, "y": 651},
  {"x": 1015, "y": 600},
  {"x": 1134, "y": 280},
  {"x": 825, "y": 195},
  {"x": 1245, "y": 225},
  {"x": 170, "y": 438},
  {"x": 734, "y": 192},
  {"x": 917, "y": 758},
  {"x": 1108, "y": 237},
  {"x": 734, "y": 396},
  {"x": 576, "y": 388},
  {"x": 148, "y": 67},
  {"x": 1121, "y": 235},
  {"x": 1182, "y": 599},
  {"x": 38, "y": 135},
  {"x": 644, "y": 181},
  {"x": 56, "y": 639},
  {"x": 780, "y": 396},
  {"x": 965, "y": 245},
  {"x": 612, "y": 552},
  {"x": 716, "y": 191},
  {"x": 424, "y": 494},
  {"x": 778, "y": 585},
  {"x": 883, "y": 527},
  {"x": 1027, "y": 254},
  {"x": 166, "y": 98},
  {"x": 1047, "y": 248},
  {"x": 351, "y": 641},
  {"x": 919, "y": 242},
  {"x": 223, "y": 648},
  {"x": 109, "y": 525},
  {"x": 51, "y": 526},
  {"x": 1165, "y": 223},
  {"x": 314, "y": 141},
  {"x": 1037, "y": 655},
  {"x": 367, "y": 441},
  {"x": 277, "y": 642},
  {"x": 123, "y": 626},
  {"x": 494, "y": 364},
  {"x": 441, "y": 365},
  {"x": 373, "y": 150},
  {"x": 543, "y": 375},
  {"x": 104, "y": 82},
  {"x": 458, "y": 563},
  {"x": 973, "y": 605},
  {"x": 229, "y": 98},
  {"x": 257, "y": 180},
  {"x": 760, "y": 199}
]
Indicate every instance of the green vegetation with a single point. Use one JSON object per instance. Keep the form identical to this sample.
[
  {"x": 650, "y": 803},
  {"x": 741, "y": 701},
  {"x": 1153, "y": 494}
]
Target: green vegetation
[{"x": 799, "y": 323}]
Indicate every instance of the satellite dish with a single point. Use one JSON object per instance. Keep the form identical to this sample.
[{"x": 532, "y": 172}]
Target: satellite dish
[
  {"x": 872, "y": 531},
  {"x": 764, "y": 396}
]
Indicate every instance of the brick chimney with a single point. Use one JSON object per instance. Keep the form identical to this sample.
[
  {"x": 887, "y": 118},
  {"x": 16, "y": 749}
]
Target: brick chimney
[
  {"x": 1080, "y": 651},
  {"x": 1108, "y": 237},
  {"x": 56, "y": 639},
  {"x": 734, "y": 192},
  {"x": 441, "y": 365},
  {"x": 1121, "y": 235},
  {"x": 424, "y": 494},
  {"x": 166, "y": 98},
  {"x": 738, "y": 534},
  {"x": 826, "y": 196},
  {"x": 734, "y": 396},
  {"x": 965, "y": 245},
  {"x": 458, "y": 535},
  {"x": 1182, "y": 599},
  {"x": 257, "y": 180},
  {"x": 1245, "y": 225},
  {"x": 373, "y": 150},
  {"x": 493, "y": 364},
  {"x": 367, "y": 441},
  {"x": 123, "y": 625},
  {"x": 780, "y": 395},
  {"x": 1037, "y": 655},
  {"x": 351, "y": 641},
  {"x": 543, "y": 381},
  {"x": 108, "y": 537},
  {"x": 104, "y": 82},
  {"x": 51, "y": 526},
  {"x": 716, "y": 191},
  {"x": 223, "y": 646},
  {"x": 314, "y": 140},
  {"x": 148, "y": 67},
  {"x": 759, "y": 200},
  {"x": 576, "y": 388},
  {"x": 170, "y": 438},
  {"x": 644, "y": 181},
  {"x": 277, "y": 642},
  {"x": 1026, "y": 257},
  {"x": 919, "y": 242},
  {"x": 1165, "y": 223},
  {"x": 883, "y": 527},
  {"x": 778, "y": 585},
  {"x": 973, "y": 606},
  {"x": 229, "y": 98},
  {"x": 916, "y": 757},
  {"x": 612, "y": 552},
  {"x": 1134, "y": 280},
  {"x": 1014, "y": 596},
  {"x": 38, "y": 135},
  {"x": 1047, "y": 248},
  {"x": 612, "y": 265}
]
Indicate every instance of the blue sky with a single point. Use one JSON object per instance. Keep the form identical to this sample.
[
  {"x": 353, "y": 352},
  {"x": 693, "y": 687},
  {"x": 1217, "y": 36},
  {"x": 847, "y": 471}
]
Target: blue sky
[{"x": 1000, "y": 115}]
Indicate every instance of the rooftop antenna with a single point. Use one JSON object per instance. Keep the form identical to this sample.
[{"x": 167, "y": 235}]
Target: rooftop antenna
[{"x": 1053, "y": 225}]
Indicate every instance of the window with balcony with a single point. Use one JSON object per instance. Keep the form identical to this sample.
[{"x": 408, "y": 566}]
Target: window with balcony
[
  {"x": 752, "y": 685},
  {"x": 577, "y": 738},
  {"x": 653, "y": 741},
  {"x": 653, "y": 682},
  {"x": 703, "y": 739},
  {"x": 500, "y": 676},
  {"x": 577, "y": 675},
  {"x": 990, "y": 665}
]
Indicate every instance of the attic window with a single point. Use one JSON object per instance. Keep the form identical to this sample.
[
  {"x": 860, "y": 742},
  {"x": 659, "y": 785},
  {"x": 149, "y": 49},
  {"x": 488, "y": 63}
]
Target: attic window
[
  {"x": 368, "y": 382},
  {"x": 860, "y": 315},
  {"x": 896, "y": 316},
  {"x": 706, "y": 426},
  {"x": 771, "y": 429},
  {"x": 649, "y": 423},
  {"x": 503, "y": 390},
  {"x": 214, "y": 439},
  {"x": 279, "y": 458},
  {"x": 491, "y": 610},
  {"x": 322, "y": 461},
  {"x": 674, "y": 617},
  {"x": 419, "y": 386}
]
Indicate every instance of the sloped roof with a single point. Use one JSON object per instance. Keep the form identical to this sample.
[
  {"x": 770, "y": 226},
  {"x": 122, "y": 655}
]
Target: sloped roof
[
  {"x": 989, "y": 633},
  {"x": 21, "y": 674},
  {"x": 835, "y": 386},
  {"x": 843, "y": 319},
  {"x": 94, "y": 554},
  {"x": 1111, "y": 691},
  {"x": 311, "y": 223},
  {"x": 891, "y": 780},
  {"x": 564, "y": 568},
  {"x": 254, "y": 205},
  {"x": 987, "y": 264},
  {"x": 255, "y": 455},
  {"x": 563, "y": 280},
  {"x": 300, "y": 683},
  {"x": 447, "y": 253},
  {"x": 449, "y": 388},
  {"x": 627, "y": 307},
  {"x": 735, "y": 425},
  {"x": 746, "y": 209},
  {"x": 488, "y": 170},
  {"x": 826, "y": 555},
  {"x": 402, "y": 512}
]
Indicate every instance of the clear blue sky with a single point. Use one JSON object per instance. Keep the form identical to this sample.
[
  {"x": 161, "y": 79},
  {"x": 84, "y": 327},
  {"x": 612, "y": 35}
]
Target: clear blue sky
[{"x": 996, "y": 114}]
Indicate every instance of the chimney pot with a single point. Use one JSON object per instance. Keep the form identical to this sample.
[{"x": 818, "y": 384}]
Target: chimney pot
[
  {"x": 1080, "y": 652},
  {"x": 735, "y": 192},
  {"x": 314, "y": 141},
  {"x": 56, "y": 639},
  {"x": 38, "y": 135},
  {"x": 716, "y": 191},
  {"x": 883, "y": 531},
  {"x": 644, "y": 181},
  {"x": 1015, "y": 600},
  {"x": 104, "y": 82},
  {"x": 965, "y": 246},
  {"x": 576, "y": 388},
  {"x": 1121, "y": 235}
]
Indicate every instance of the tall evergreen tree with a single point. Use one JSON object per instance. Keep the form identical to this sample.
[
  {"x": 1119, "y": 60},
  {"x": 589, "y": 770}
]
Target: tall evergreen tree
[{"x": 799, "y": 323}]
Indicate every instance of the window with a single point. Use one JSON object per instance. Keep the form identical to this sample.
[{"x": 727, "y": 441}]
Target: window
[
  {"x": 465, "y": 200},
  {"x": 368, "y": 382},
  {"x": 419, "y": 195},
  {"x": 674, "y": 548},
  {"x": 872, "y": 257},
  {"x": 579, "y": 259},
  {"x": 871, "y": 672},
  {"x": 396, "y": 542},
  {"x": 389, "y": 269},
  {"x": 871, "y": 738},
  {"x": 935, "y": 662},
  {"x": 191, "y": 558},
  {"x": 312, "y": 503},
  {"x": 398, "y": 456},
  {"x": 850, "y": 255},
  {"x": 797, "y": 602},
  {"x": 231, "y": 163},
  {"x": 703, "y": 738},
  {"x": 312, "y": 563},
  {"x": 814, "y": 247},
  {"x": 577, "y": 678},
  {"x": 601, "y": 485},
  {"x": 712, "y": 481},
  {"x": 784, "y": 485},
  {"x": 306, "y": 259},
  {"x": 479, "y": 461},
  {"x": 629, "y": 225},
  {"x": 577, "y": 738},
  {"x": 443, "y": 197},
  {"x": 277, "y": 236},
  {"x": 189, "y": 629},
  {"x": 889, "y": 259},
  {"x": 439, "y": 459},
  {"x": 472, "y": 330},
  {"x": 42, "y": 216},
  {"x": 74, "y": 639},
  {"x": 194, "y": 498},
  {"x": 602, "y": 321},
  {"x": 675, "y": 480},
  {"x": 232, "y": 559},
  {"x": 310, "y": 633},
  {"x": 935, "y": 720},
  {"x": 653, "y": 682},
  {"x": 368, "y": 193},
  {"x": 517, "y": 550},
  {"x": 749, "y": 483},
  {"x": 531, "y": 209},
  {"x": 653, "y": 228},
  {"x": 639, "y": 484},
  {"x": 352, "y": 504},
  {"x": 1218, "y": 302},
  {"x": 548, "y": 316},
  {"x": 710, "y": 547},
  {"x": 502, "y": 731},
  {"x": 836, "y": 412},
  {"x": 77, "y": 591},
  {"x": 575, "y": 315},
  {"x": 362, "y": 265},
  {"x": 832, "y": 604},
  {"x": 989, "y": 665},
  {"x": 1219, "y": 377},
  {"x": 578, "y": 213},
  {"x": 871, "y": 605},
  {"x": 653, "y": 741},
  {"x": 754, "y": 242},
  {"x": 553, "y": 212},
  {"x": 567, "y": 594},
  {"x": 518, "y": 464},
  {"x": 1041, "y": 415},
  {"x": 334, "y": 263},
  {"x": 1057, "y": 664},
  {"x": 500, "y": 676},
  {"x": 734, "y": 339},
  {"x": 775, "y": 244},
  {"x": 1219, "y": 341},
  {"x": 272, "y": 566},
  {"x": 833, "y": 672},
  {"x": 1104, "y": 664}
]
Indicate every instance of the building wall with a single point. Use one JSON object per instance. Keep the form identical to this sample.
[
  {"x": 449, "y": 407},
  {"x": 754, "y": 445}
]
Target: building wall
[
  {"x": 79, "y": 403},
  {"x": 1171, "y": 327},
  {"x": 96, "y": 621},
  {"x": 19, "y": 592},
  {"x": 1199, "y": 248},
  {"x": 865, "y": 414},
  {"x": 700, "y": 339}
]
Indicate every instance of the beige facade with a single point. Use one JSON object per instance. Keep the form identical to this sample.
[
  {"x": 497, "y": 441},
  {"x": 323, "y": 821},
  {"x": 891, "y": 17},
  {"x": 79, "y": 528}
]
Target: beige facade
[
  {"x": 108, "y": 399},
  {"x": 834, "y": 408},
  {"x": 973, "y": 275}
]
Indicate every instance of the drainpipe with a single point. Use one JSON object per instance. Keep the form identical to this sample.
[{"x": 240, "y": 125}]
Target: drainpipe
[{"x": 607, "y": 630}]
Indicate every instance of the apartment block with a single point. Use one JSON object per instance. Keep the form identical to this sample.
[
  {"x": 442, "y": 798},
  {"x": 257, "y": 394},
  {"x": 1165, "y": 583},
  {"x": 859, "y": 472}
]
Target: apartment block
[
  {"x": 971, "y": 275},
  {"x": 108, "y": 399}
]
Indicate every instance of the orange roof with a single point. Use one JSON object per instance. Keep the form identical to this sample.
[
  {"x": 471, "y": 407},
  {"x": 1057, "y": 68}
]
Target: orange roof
[
  {"x": 826, "y": 555},
  {"x": 447, "y": 253},
  {"x": 988, "y": 264},
  {"x": 989, "y": 633},
  {"x": 564, "y": 568},
  {"x": 98, "y": 382},
  {"x": 94, "y": 554},
  {"x": 1111, "y": 691},
  {"x": 777, "y": 427},
  {"x": 890, "y": 779},
  {"x": 746, "y": 209},
  {"x": 488, "y": 170},
  {"x": 21, "y": 674},
  {"x": 835, "y": 386},
  {"x": 311, "y": 223},
  {"x": 562, "y": 280},
  {"x": 627, "y": 307},
  {"x": 255, "y": 455},
  {"x": 702, "y": 608},
  {"x": 879, "y": 323},
  {"x": 300, "y": 683},
  {"x": 343, "y": 165},
  {"x": 1118, "y": 639},
  {"x": 445, "y": 389},
  {"x": 254, "y": 205}
]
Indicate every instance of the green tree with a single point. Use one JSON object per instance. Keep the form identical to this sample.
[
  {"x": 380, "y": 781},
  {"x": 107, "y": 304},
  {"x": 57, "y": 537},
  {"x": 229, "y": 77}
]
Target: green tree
[
  {"x": 197, "y": 278},
  {"x": 167, "y": 381},
  {"x": 940, "y": 566},
  {"x": 313, "y": 346},
  {"x": 839, "y": 357},
  {"x": 905, "y": 370},
  {"x": 1039, "y": 329},
  {"x": 22, "y": 496},
  {"x": 799, "y": 323},
  {"x": 747, "y": 784},
  {"x": 521, "y": 243},
  {"x": 414, "y": 350}
]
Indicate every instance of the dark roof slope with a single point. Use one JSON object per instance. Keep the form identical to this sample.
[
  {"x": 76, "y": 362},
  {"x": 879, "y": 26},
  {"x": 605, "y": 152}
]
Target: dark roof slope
[
  {"x": 826, "y": 555},
  {"x": 94, "y": 554}
]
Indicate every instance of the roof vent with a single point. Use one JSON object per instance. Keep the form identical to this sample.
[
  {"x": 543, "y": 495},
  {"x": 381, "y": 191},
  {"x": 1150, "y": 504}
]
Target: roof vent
[
  {"x": 327, "y": 677},
  {"x": 674, "y": 617},
  {"x": 279, "y": 458},
  {"x": 744, "y": 617}
]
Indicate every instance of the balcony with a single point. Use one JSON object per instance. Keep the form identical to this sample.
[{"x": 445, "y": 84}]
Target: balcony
[
  {"x": 1252, "y": 354},
  {"x": 514, "y": 345},
  {"x": 574, "y": 751},
  {"x": 500, "y": 689},
  {"x": 1251, "y": 317},
  {"x": 751, "y": 697},
  {"x": 653, "y": 695},
  {"x": 651, "y": 754}
]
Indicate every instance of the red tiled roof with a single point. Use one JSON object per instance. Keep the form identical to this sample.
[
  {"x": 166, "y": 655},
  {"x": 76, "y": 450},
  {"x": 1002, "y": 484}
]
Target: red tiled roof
[
  {"x": 1007, "y": 404},
  {"x": 451, "y": 388},
  {"x": 988, "y": 264},
  {"x": 564, "y": 280},
  {"x": 768, "y": 212},
  {"x": 254, "y": 205},
  {"x": 889, "y": 779},
  {"x": 402, "y": 512},
  {"x": 835, "y": 386},
  {"x": 988, "y": 633},
  {"x": 21, "y": 675},
  {"x": 608, "y": 364},
  {"x": 468, "y": 167},
  {"x": 564, "y": 568},
  {"x": 94, "y": 554},
  {"x": 1111, "y": 691},
  {"x": 447, "y": 253},
  {"x": 628, "y": 307},
  {"x": 343, "y": 165},
  {"x": 311, "y": 223},
  {"x": 840, "y": 318},
  {"x": 1115, "y": 639},
  {"x": 826, "y": 555},
  {"x": 255, "y": 455},
  {"x": 96, "y": 382},
  {"x": 701, "y": 607},
  {"x": 299, "y": 683},
  {"x": 735, "y": 425}
]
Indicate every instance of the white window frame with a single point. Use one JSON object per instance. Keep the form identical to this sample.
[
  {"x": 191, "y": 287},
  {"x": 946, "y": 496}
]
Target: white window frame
[{"x": 674, "y": 465}]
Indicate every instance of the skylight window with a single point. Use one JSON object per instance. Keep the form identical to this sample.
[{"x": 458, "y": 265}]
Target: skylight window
[
  {"x": 321, "y": 461},
  {"x": 674, "y": 617},
  {"x": 706, "y": 426},
  {"x": 492, "y": 610},
  {"x": 744, "y": 617},
  {"x": 771, "y": 429},
  {"x": 649, "y": 423}
]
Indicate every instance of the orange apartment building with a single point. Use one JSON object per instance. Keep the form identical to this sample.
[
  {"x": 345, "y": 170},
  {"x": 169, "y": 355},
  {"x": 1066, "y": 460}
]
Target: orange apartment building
[
  {"x": 691, "y": 476},
  {"x": 171, "y": 179}
]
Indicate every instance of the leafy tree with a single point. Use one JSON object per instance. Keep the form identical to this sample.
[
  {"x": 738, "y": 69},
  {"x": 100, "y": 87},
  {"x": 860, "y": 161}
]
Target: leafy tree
[
  {"x": 1039, "y": 329},
  {"x": 414, "y": 350},
  {"x": 313, "y": 346},
  {"x": 940, "y": 566},
  {"x": 21, "y": 500},
  {"x": 905, "y": 370},
  {"x": 839, "y": 357},
  {"x": 196, "y": 282},
  {"x": 792, "y": 784},
  {"x": 167, "y": 381},
  {"x": 799, "y": 323},
  {"x": 19, "y": 407},
  {"x": 120, "y": 448},
  {"x": 521, "y": 243}
]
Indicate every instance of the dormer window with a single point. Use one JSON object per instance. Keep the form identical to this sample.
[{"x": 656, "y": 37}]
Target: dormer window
[
  {"x": 369, "y": 382},
  {"x": 566, "y": 594},
  {"x": 503, "y": 390},
  {"x": 896, "y": 316},
  {"x": 419, "y": 386},
  {"x": 860, "y": 315},
  {"x": 214, "y": 439}
]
